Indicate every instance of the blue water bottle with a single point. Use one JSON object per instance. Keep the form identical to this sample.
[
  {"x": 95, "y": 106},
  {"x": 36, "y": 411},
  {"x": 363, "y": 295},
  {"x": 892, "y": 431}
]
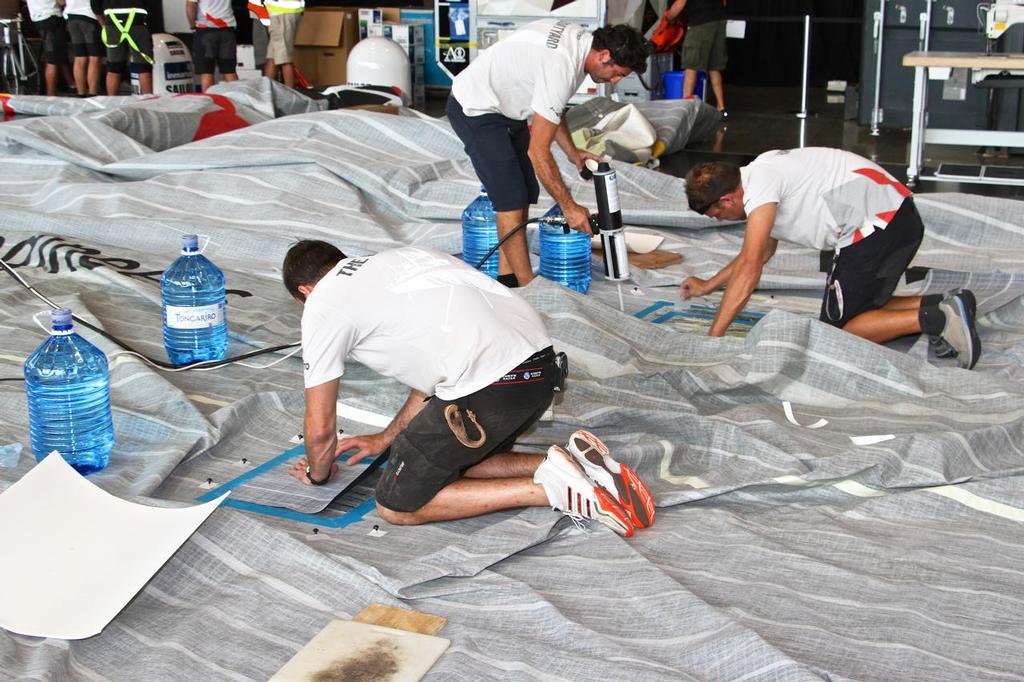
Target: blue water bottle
[
  {"x": 480, "y": 233},
  {"x": 195, "y": 312},
  {"x": 68, "y": 390},
  {"x": 564, "y": 252}
]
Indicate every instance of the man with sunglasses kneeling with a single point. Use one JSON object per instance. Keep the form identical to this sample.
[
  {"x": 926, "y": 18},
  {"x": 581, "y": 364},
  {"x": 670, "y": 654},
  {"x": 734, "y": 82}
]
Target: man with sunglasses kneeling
[{"x": 830, "y": 199}]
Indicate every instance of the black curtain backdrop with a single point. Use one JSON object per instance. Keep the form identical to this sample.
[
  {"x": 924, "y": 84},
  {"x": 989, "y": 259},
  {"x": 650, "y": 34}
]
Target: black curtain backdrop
[{"x": 772, "y": 51}]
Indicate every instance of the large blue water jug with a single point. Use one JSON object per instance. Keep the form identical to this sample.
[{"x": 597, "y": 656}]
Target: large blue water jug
[
  {"x": 195, "y": 312},
  {"x": 480, "y": 233},
  {"x": 564, "y": 257},
  {"x": 68, "y": 388}
]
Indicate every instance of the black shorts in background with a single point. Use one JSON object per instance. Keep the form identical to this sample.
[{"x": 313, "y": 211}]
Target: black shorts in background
[
  {"x": 427, "y": 455},
  {"x": 118, "y": 49},
  {"x": 214, "y": 47},
  {"x": 499, "y": 148},
  {"x": 865, "y": 274},
  {"x": 85, "y": 37},
  {"x": 55, "y": 41}
]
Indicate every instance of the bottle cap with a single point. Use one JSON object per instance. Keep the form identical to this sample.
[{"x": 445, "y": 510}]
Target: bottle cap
[
  {"x": 603, "y": 167},
  {"x": 61, "y": 319},
  {"x": 190, "y": 242}
]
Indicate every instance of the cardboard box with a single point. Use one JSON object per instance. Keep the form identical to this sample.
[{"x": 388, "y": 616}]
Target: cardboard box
[
  {"x": 322, "y": 44},
  {"x": 245, "y": 57}
]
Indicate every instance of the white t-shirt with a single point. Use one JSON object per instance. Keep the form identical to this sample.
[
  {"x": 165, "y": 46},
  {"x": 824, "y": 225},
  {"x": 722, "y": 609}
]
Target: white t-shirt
[
  {"x": 423, "y": 317},
  {"x": 214, "y": 14},
  {"x": 828, "y": 198},
  {"x": 534, "y": 70},
  {"x": 81, "y": 8},
  {"x": 40, "y": 10}
]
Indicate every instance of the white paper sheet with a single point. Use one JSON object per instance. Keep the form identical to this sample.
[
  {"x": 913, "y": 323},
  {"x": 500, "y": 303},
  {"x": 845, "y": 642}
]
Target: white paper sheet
[
  {"x": 74, "y": 555},
  {"x": 636, "y": 242},
  {"x": 735, "y": 28}
]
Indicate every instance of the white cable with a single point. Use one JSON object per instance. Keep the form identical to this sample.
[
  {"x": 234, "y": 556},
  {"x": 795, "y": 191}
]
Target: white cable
[
  {"x": 298, "y": 347},
  {"x": 198, "y": 367},
  {"x": 35, "y": 318}
]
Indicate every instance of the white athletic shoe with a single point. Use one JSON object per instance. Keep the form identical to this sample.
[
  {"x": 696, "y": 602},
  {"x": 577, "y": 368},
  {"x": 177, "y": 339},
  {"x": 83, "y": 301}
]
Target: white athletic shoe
[
  {"x": 571, "y": 492},
  {"x": 959, "y": 331},
  {"x": 938, "y": 344},
  {"x": 619, "y": 479}
]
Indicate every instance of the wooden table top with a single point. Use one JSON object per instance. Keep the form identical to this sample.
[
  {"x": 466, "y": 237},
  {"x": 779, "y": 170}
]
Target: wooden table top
[{"x": 974, "y": 60}]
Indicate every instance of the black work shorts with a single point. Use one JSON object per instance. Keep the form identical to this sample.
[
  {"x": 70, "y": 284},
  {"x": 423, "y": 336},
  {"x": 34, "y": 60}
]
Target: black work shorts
[
  {"x": 499, "y": 148},
  {"x": 214, "y": 47},
  {"x": 865, "y": 274},
  {"x": 85, "y": 37},
  {"x": 118, "y": 49},
  {"x": 428, "y": 455},
  {"x": 55, "y": 39}
]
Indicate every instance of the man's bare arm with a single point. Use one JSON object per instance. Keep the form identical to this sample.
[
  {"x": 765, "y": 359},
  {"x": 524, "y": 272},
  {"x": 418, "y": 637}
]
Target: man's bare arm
[
  {"x": 373, "y": 444},
  {"x": 319, "y": 430},
  {"x": 542, "y": 134},
  {"x": 675, "y": 9},
  {"x": 414, "y": 404},
  {"x": 745, "y": 270},
  {"x": 695, "y": 286}
]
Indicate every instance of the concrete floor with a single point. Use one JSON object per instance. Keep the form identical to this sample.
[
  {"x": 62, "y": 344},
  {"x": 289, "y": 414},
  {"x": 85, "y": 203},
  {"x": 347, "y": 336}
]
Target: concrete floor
[
  {"x": 764, "y": 118},
  {"x": 761, "y": 119}
]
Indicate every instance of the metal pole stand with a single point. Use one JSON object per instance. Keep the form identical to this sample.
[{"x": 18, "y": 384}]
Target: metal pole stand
[
  {"x": 807, "y": 56},
  {"x": 879, "y": 31}
]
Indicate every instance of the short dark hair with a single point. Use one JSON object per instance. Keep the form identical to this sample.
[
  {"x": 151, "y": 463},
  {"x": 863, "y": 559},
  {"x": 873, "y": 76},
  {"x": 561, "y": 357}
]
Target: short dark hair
[
  {"x": 306, "y": 262},
  {"x": 626, "y": 45},
  {"x": 706, "y": 183}
]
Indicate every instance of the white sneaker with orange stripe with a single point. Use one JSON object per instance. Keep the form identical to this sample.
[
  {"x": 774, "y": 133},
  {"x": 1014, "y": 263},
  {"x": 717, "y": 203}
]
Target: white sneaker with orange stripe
[
  {"x": 618, "y": 479},
  {"x": 570, "y": 491}
]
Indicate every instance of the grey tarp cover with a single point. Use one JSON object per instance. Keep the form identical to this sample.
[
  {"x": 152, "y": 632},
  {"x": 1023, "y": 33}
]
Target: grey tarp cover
[{"x": 779, "y": 552}]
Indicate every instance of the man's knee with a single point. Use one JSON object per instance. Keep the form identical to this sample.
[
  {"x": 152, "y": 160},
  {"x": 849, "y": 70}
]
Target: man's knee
[{"x": 398, "y": 518}]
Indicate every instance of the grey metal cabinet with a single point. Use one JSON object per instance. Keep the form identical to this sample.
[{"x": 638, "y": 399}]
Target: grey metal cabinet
[{"x": 951, "y": 25}]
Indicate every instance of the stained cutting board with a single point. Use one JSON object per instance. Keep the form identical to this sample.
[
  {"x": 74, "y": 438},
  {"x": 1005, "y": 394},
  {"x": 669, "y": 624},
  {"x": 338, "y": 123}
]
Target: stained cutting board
[
  {"x": 401, "y": 619},
  {"x": 650, "y": 260},
  {"x": 347, "y": 651}
]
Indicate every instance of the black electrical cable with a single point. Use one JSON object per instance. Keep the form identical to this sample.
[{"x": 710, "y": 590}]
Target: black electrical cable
[
  {"x": 205, "y": 364},
  {"x": 503, "y": 240}
]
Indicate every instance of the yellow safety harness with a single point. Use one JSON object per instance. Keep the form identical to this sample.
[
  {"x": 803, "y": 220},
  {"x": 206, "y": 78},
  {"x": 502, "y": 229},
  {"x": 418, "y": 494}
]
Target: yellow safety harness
[{"x": 124, "y": 30}]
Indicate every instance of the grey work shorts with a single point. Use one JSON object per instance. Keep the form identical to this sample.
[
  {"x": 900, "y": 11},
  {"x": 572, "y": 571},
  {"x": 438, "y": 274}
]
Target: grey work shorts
[
  {"x": 282, "y": 37},
  {"x": 704, "y": 47}
]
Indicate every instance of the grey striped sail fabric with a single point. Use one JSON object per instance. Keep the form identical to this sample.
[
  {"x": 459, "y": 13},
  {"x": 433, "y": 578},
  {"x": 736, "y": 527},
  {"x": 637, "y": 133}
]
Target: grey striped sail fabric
[
  {"x": 276, "y": 488},
  {"x": 780, "y": 552}
]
